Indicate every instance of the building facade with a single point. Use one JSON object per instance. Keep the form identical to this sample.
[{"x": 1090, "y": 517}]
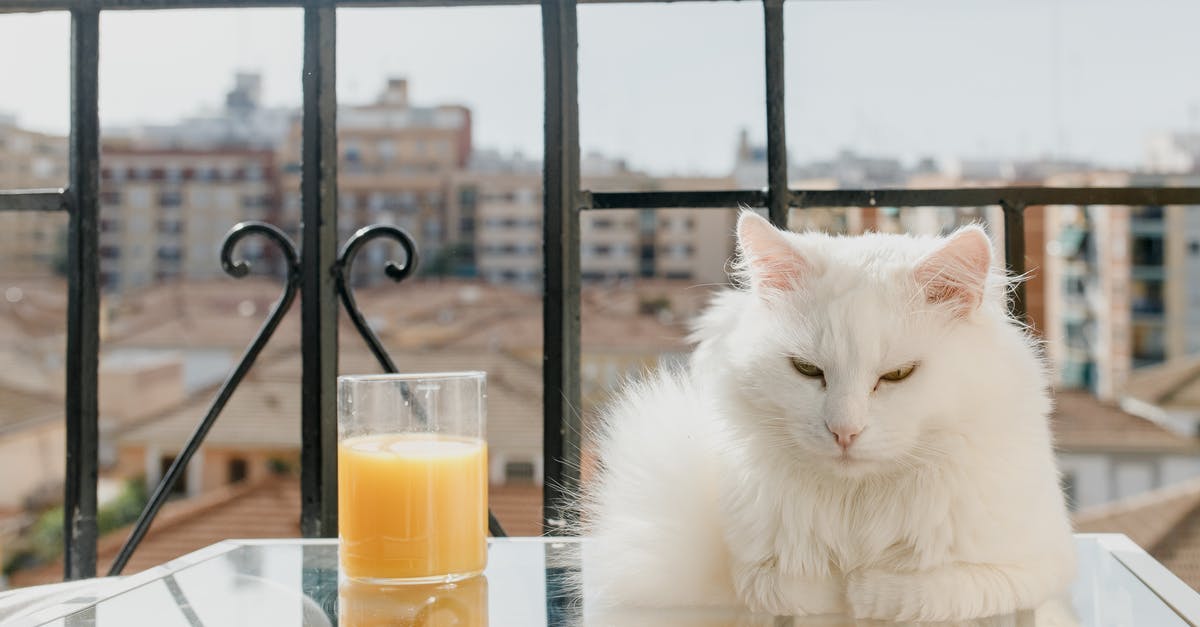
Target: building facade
[
  {"x": 495, "y": 217},
  {"x": 165, "y": 212},
  {"x": 1119, "y": 291},
  {"x": 395, "y": 164},
  {"x": 32, "y": 244}
]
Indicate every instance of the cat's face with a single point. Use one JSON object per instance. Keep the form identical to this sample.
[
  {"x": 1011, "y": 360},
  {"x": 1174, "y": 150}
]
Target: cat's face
[{"x": 847, "y": 347}]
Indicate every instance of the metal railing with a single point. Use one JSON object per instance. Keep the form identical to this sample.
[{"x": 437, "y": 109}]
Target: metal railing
[{"x": 316, "y": 270}]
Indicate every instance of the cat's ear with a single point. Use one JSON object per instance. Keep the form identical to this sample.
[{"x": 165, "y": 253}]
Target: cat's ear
[
  {"x": 956, "y": 273},
  {"x": 768, "y": 258}
]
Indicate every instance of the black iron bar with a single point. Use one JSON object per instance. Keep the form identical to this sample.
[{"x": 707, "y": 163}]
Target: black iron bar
[
  {"x": 318, "y": 253},
  {"x": 236, "y": 269},
  {"x": 83, "y": 301},
  {"x": 34, "y": 200},
  {"x": 777, "y": 159},
  {"x": 969, "y": 197},
  {"x": 1014, "y": 254},
  {"x": 397, "y": 272},
  {"x": 24, "y": 6},
  {"x": 560, "y": 301}
]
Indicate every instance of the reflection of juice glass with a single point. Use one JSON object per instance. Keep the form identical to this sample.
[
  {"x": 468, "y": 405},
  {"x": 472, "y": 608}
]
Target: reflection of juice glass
[
  {"x": 412, "y": 477},
  {"x": 461, "y": 603}
]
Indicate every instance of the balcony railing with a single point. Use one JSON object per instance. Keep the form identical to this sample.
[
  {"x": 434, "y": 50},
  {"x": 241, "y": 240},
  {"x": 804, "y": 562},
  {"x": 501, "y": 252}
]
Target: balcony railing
[{"x": 316, "y": 268}]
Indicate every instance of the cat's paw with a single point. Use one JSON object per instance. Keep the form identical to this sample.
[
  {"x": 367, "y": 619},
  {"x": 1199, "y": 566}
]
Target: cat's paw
[
  {"x": 887, "y": 596},
  {"x": 764, "y": 589}
]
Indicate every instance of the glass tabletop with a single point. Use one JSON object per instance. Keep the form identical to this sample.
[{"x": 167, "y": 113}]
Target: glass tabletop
[{"x": 295, "y": 582}]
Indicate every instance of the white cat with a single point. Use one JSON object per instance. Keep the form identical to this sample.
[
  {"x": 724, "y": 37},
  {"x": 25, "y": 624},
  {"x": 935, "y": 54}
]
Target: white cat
[{"x": 862, "y": 429}]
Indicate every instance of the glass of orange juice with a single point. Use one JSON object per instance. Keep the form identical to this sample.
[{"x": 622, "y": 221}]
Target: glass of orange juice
[{"x": 412, "y": 477}]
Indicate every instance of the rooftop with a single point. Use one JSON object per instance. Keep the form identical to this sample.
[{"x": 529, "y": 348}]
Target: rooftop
[
  {"x": 1083, "y": 423},
  {"x": 265, "y": 509},
  {"x": 1171, "y": 385},
  {"x": 20, "y": 408},
  {"x": 1165, "y": 522}
]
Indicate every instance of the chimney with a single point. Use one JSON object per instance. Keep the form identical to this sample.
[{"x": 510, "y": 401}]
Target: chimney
[
  {"x": 396, "y": 93},
  {"x": 246, "y": 94}
]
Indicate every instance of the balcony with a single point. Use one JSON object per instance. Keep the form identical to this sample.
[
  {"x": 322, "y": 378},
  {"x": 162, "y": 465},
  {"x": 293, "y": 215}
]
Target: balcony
[{"x": 318, "y": 267}]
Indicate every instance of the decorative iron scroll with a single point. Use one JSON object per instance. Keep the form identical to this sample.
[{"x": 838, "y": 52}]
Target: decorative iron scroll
[{"x": 240, "y": 268}]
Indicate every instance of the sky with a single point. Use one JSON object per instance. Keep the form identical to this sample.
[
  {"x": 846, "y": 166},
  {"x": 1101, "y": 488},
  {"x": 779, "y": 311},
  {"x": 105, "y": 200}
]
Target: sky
[{"x": 668, "y": 87}]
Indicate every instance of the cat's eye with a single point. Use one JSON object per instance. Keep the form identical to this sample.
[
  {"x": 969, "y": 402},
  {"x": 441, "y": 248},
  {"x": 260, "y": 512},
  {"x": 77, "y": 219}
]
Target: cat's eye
[
  {"x": 899, "y": 374},
  {"x": 807, "y": 369}
]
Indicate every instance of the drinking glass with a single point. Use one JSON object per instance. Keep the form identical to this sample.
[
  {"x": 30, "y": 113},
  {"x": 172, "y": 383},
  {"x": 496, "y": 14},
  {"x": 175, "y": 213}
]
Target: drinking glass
[{"x": 412, "y": 477}]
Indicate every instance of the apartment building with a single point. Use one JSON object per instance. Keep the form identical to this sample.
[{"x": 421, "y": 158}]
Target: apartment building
[
  {"x": 164, "y": 212},
  {"x": 496, "y": 216},
  {"x": 395, "y": 163},
  {"x": 31, "y": 242},
  {"x": 1119, "y": 288}
]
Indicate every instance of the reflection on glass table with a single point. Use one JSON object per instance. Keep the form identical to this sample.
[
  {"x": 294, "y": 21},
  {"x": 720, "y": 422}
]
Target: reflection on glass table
[{"x": 527, "y": 584}]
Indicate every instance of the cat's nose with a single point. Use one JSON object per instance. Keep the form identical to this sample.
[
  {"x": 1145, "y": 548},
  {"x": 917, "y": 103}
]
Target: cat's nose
[{"x": 845, "y": 435}]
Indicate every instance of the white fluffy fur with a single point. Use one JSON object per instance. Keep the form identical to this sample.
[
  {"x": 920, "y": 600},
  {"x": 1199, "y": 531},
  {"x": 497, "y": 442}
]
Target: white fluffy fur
[{"x": 721, "y": 484}]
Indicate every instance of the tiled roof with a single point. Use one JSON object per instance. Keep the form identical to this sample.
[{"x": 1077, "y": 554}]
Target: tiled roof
[
  {"x": 1081, "y": 422},
  {"x": 19, "y": 408},
  {"x": 1165, "y": 522},
  {"x": 216, "y": 313},
  {"x": 265, "y": 509},
  {"x": 40, "y": 311},
  {"x": 265, "y": 409},
  {"x": 1173, "y": 384},
  {"x": 260, "y": 414}
]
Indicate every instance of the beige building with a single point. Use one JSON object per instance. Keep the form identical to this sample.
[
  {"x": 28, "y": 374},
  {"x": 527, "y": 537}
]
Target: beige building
[
  {"x": 164, "y": 213},
  {"x": 31, "y": 242},
  {"x": 1120, "y": 289},
  {"x": 395, "y": 162},
  {"x": 32, "y": 447},
  {"x": 495, "y": 215}
]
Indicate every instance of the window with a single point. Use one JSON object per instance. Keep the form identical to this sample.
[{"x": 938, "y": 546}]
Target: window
[
  {"x": 1147, "y": 251},
  {"x": 518, "y": 472},
  {"x": 352, "y": 153},
  {"x": 170, "y": 198},
  {"x": 386, "y": 149},
  {"x": 646, "y": 222},
  {"x": 1149, "y": 343},
  {"x": 180, "y": 487},
  {"x": 1147, "y": 213},
  {"x": 1147, "y": 297},
  {"x": 237, "y": 470}
]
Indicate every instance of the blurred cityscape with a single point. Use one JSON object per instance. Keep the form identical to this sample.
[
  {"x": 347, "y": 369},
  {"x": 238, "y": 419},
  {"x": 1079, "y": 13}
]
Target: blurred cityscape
[{"x": 1113, "y": 291}]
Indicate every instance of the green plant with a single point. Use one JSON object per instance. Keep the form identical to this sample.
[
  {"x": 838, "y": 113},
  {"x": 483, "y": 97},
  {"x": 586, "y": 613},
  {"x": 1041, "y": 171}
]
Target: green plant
[{"x": 42, "y": 542}]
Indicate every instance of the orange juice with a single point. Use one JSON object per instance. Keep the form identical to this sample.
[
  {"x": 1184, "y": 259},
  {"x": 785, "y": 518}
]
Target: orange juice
[{"x": 412, "y": 506}]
